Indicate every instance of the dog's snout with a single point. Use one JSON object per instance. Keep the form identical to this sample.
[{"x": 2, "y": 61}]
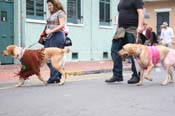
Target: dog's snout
[
  {"x": 4, "y": 53},
  {"x": 121, "y": 52}
]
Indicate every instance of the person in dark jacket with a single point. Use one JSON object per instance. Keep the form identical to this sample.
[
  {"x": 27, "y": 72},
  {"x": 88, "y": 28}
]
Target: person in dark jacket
[
  {"x": 154, "y": 36},
  {"x": 148, "y": 34}
]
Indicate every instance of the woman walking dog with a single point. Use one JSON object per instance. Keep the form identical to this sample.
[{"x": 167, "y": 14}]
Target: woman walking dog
[{"x": 55, "y": 33}]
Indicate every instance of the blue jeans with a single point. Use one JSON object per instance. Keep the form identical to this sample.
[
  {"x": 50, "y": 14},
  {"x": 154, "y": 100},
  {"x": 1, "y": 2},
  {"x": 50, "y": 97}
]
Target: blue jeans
[
  {"x": 56, "y": 40},
  {"x": 116, "y": 46}
]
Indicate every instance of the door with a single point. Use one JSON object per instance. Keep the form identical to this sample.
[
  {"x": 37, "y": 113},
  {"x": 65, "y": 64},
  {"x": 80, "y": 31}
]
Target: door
[
  {"x": 162, "y": 17},
  {"x": 6, "y": 28}
]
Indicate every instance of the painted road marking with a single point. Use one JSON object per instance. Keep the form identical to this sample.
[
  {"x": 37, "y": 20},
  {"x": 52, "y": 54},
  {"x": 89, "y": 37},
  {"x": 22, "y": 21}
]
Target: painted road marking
[{"x": 8, "y": 87}]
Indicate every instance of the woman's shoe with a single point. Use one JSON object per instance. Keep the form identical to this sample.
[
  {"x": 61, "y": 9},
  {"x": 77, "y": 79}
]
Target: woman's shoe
[
  {"x": 57, "y": 81},
  {"x": 50, "y": 82},
  {"x": 53, "y": 81}
]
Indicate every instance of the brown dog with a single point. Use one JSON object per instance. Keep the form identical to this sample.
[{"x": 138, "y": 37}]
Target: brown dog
[
  {"x": 147, "y": 58},
  {"x": 32, "y": 60}
]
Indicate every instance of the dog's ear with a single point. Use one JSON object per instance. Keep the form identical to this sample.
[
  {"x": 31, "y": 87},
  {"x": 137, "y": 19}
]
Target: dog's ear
[
  {"x": 123, "y": 54},
  {"x": 138, "y": 50},
  {"x": 131, "y": 50}
]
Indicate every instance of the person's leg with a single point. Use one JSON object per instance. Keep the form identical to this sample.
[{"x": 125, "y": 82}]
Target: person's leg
[
  {"x": 50, "y": 80},
  {"x": 55, "y": 76},
  {"x": 135, "y": 77},
  {"x": 117, "y": 62},
  {"x": 54, "y": 41}
]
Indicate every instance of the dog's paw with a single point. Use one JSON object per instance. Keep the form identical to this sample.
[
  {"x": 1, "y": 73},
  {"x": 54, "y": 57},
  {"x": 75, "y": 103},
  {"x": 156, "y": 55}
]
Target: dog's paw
[
  {"x": 148, "y": 78},
  {"x": 45, "y": 83},
  {"x": 61, "y": 83},
  {"x": 171, "y": 81},
  {"x": 164, "y": 83},
  {"x": 139, "y": 84},
  {"x": 18, "y": 85}
]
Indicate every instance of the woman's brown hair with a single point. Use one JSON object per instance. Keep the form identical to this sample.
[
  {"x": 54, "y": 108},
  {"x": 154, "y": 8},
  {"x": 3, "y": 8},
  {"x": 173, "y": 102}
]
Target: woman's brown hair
[{"x": 57, "y": 5}]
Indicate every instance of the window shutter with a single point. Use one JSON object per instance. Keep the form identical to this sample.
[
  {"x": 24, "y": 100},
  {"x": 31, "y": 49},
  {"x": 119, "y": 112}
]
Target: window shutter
[
  {"x": 39, "y": 8},
  {"x": 30, "y": 7}
]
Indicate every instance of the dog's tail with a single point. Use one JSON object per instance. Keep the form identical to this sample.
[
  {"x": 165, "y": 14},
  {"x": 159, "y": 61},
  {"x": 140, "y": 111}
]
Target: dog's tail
[{"x": 66, "y": 50}]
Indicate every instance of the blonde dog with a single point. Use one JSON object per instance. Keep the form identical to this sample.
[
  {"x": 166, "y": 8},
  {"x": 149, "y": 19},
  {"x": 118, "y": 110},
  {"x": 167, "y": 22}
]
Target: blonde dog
[
  {"x": 148, "y": 56},
  {"x": 32, "y": 60}
]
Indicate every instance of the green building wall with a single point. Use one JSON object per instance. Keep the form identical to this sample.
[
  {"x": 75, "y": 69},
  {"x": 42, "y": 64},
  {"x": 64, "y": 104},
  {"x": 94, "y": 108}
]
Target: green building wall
[{"x": 90, "y": 40}]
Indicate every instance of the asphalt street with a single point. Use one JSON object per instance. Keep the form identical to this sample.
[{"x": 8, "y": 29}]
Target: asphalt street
[{"x": 89, "y": 95}]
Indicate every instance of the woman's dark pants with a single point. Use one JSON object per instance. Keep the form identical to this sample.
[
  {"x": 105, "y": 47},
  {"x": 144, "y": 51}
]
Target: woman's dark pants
[{"x": 56, "y": 40}]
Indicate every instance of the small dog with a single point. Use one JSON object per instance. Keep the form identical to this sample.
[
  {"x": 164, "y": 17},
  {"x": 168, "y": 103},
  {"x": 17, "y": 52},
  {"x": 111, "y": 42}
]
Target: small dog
[
  {"x": 32, "y": 60},
  {"x": 148, "y": 56}
]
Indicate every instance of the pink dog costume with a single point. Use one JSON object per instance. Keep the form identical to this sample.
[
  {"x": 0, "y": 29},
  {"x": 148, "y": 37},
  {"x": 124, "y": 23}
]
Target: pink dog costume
[{"x": 155, "y": 56}]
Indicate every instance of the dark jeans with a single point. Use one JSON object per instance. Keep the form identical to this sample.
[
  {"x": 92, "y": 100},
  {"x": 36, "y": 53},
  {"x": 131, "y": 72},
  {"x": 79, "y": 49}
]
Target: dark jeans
[
  {"x": 116, "y": 46},
  {"x": 56, "y": 40}
]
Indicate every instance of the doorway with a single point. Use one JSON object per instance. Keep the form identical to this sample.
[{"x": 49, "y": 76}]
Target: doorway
[
  {"x": 6, "y": 28},
  {"x": 162, "y": 17}
]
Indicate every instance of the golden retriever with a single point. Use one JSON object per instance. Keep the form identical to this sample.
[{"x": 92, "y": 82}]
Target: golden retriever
[
  {"x": 52, "y": 54},
  {"x": 147, "y": 60}
]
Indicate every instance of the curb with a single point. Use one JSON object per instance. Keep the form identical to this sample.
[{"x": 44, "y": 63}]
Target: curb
[
  {"x": 93, "y": 71},
  {"x": 7, "y": 74}
]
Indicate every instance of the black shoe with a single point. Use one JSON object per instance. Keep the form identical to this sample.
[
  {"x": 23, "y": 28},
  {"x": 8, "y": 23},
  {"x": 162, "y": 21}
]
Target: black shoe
[
  {"x": 114, "y": 79},
  {"x": 133, "y": 80},
  {"x": 57, "y": 81},
  {"x": 50, "y": 82}
]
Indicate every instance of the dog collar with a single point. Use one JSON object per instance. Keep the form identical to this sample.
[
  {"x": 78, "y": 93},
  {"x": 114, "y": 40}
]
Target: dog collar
[{"x": 20, "y": 53}]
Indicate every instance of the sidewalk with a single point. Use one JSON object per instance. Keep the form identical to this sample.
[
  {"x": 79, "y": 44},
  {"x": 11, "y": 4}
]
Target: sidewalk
[{"x": 7, "y": 72}]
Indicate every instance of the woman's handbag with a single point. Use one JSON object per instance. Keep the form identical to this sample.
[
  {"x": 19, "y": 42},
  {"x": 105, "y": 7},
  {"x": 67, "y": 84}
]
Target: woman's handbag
[
  {"x": 43, "y": 37},
  {"x": 68, "y": 42}
]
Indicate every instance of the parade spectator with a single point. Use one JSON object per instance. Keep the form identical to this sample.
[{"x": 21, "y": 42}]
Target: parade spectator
[
  {"x": 154, "y": 36},
  {"x": 167, "y": 35},
  {"x": 148, "y": 34}
]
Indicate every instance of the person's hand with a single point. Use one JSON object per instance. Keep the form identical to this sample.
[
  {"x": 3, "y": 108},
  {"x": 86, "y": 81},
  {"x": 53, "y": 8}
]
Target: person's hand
[
  {"x": 43, "y": 34},
  {"x": 48, "y": 31},
  {"x": 139, "y": 29}
]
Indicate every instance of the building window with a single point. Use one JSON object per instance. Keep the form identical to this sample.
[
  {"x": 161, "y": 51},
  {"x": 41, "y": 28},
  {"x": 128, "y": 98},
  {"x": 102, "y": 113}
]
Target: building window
[
  {"x": 74, "y": 13},
  {"x": 4, "y": 16},
  {"x": 104, "y": 12},
  {"x": 35, "y": 9}
]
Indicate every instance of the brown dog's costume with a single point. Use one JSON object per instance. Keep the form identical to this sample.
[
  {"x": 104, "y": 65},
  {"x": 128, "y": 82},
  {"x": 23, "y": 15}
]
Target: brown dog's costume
[{"x": 31, "y": 62}]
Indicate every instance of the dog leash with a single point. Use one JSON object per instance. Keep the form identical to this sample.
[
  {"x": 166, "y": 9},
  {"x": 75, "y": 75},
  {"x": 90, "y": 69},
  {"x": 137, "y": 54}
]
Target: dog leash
[
  {"x": 32, "y": 45},
  {"x": 137, "y": 38}
]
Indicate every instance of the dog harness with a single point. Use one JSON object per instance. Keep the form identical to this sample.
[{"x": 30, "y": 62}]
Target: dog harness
[
  {"x": 20, "y": 53},
  {"x": 153, "y": 54}
]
